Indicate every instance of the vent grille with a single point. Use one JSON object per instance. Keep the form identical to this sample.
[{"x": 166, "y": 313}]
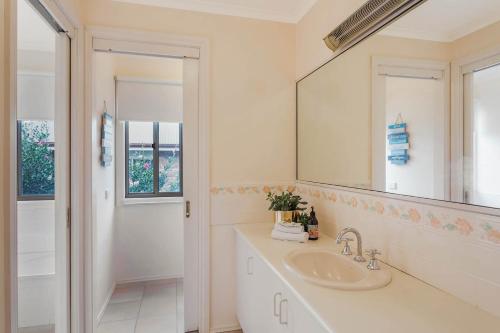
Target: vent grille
[{"x": 363, "y": 20}]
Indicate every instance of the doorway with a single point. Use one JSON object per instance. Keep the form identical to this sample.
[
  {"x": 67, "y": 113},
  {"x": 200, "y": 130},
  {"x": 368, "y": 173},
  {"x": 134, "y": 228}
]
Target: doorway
[
  {"x": 43, "y": 172},
  {"x": 425, "y": 145},
  {"x": 145, "y": 197}
]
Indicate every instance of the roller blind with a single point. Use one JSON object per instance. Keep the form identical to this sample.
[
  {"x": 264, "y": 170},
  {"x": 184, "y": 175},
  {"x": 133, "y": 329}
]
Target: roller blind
[
  {"x": 36, "y": 96},
  {"x": 417, "y": 73},
  {"x": 148, "y": 100}
]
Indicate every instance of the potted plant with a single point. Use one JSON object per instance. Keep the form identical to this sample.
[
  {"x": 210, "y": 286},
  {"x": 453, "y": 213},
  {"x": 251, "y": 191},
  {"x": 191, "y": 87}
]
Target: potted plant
[
  {"x": 303, "y": 218},
  {"x": 285, "y": 206}
]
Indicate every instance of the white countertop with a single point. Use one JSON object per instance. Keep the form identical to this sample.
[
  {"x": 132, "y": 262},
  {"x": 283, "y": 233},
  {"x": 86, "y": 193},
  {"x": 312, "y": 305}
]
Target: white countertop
[{"x": 406, "y": 305}]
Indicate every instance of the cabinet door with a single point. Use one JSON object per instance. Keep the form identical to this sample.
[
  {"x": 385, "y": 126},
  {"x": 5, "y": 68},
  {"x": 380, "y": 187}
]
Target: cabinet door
[
  {"x": 303, "y": 319},
  {"x": 282, "y": 321},
  {"x": 253, "y": 304},
  {"x": 242, "y": 286}
]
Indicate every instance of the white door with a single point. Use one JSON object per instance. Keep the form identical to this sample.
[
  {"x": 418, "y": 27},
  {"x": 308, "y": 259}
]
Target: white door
[
  {"x": 481, "y": 160},
  {"x": 43, "y": 174},
  {"x": 62, "y": 184},
  {"x": 190, "y": 193}
]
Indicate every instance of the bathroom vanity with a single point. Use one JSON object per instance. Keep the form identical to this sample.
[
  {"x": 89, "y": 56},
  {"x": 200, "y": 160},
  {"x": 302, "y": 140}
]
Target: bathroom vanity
[{"x": 270, "y": 298}]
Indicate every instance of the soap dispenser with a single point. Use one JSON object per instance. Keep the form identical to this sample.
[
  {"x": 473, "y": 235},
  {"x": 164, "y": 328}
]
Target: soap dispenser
[{"x": 313, "y": 226}]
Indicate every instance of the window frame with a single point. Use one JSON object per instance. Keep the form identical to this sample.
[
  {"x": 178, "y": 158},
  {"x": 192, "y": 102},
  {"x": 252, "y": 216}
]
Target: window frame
[
  {"x": 156, "y": 166},
  {"x": 26, "y": 197}
]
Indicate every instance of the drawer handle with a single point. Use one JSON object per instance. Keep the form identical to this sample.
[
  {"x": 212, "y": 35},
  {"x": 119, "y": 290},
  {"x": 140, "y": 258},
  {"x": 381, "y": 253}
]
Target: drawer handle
[
  {"x": 283, "y": 322},
  {"x": 276, "y": 311},
  {"x": 249, "y": 266}
]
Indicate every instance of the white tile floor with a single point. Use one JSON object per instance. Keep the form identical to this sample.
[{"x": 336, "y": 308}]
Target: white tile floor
[{"x": 145, "y": 307}]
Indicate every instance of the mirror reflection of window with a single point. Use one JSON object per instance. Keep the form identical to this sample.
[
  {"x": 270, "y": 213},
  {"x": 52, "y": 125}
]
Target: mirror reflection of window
[
  {"x": 482, "y": 138},
  {"x": 36, "y": 165}
]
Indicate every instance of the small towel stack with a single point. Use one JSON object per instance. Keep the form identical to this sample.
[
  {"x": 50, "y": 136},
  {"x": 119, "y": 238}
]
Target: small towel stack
[{"x": 290, "y": 231}]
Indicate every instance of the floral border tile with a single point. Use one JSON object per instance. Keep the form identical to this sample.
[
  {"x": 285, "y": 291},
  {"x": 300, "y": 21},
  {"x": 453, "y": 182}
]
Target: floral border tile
[
  {"x": 437, "y": 219},
  {"x": 251, "y": 189}
]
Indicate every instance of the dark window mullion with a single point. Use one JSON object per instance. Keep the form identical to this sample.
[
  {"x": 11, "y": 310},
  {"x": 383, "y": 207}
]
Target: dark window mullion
[
  {"x": 127, "y": 176},
  {"x": 156, "y": 158},
  {"x": 19, "y": 160}
]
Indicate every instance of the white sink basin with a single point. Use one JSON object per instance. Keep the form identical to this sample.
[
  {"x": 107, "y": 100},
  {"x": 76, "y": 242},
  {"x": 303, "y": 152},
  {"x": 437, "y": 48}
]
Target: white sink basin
[{"x": 327, "y": 268}]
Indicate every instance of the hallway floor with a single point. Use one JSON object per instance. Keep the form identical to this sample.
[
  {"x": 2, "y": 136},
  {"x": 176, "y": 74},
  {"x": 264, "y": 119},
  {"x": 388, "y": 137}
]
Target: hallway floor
[{"x": 145, "y": 307}]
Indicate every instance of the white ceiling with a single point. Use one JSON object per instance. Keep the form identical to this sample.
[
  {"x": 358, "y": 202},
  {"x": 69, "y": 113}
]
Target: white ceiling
[
  {"x": 290, "y": 11},
  {"x": 34, "y": 34},
  {"x": 446, "y": 20}
]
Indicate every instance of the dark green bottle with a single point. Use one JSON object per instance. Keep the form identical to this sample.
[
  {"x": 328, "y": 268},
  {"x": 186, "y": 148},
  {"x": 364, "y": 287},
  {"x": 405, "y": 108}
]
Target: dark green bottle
[{"x": 313, "y": 226}]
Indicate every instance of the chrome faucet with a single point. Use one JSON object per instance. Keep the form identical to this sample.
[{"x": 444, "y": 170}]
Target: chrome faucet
[{"x": 340, "y": 237}]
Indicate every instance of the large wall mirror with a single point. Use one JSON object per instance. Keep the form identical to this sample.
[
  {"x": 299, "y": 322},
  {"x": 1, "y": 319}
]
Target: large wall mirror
[{"x": 413, "y": 109}]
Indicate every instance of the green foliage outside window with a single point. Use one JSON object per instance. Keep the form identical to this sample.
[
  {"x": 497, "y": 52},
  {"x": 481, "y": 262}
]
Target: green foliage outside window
[
  {"x": 169, "y": 178},
  {"x": 141, "y": 175},
  {"x": 37, "y": 159}
]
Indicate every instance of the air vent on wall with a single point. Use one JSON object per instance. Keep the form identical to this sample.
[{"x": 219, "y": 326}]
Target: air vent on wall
[{"x": 372, "y": 16}]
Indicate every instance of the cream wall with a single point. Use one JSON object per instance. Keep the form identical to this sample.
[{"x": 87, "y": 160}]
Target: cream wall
[
  {"x": 481, "y": 40},
  {"x": 103, "y": 186},
  {"x": 448, "y": 248}
]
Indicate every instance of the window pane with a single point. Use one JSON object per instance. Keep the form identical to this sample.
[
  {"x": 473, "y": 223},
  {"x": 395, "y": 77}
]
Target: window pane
[
  {"x": 37, "y": 158},
  {"x": 140, "y": 157},
  {"x": 170, "y": 152}
]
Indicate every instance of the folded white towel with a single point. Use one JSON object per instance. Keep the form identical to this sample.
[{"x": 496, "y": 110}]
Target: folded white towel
[
  {"x": 293, "y": 227},
  {"x": 295, "y": 230},
  {"x": 302, "y": 237}
]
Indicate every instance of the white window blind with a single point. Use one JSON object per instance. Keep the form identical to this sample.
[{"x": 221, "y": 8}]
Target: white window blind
[
  {"x": 36, "y": 96},
  {"x": 148, "y": 100}
]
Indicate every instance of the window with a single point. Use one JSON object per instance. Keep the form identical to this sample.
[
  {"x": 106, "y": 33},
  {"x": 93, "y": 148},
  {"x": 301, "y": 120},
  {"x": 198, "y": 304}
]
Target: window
[
  {"x": 153, "y": 159},
  {"x": 35, "y": 160}
]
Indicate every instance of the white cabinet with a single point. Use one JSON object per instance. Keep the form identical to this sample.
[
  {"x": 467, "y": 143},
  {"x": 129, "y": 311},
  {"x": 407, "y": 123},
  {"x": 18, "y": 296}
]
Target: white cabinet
[{"x": 264, "y": 303}]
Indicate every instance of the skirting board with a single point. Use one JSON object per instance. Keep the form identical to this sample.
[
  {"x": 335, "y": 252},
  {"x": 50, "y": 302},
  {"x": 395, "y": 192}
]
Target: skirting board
[
  {"x": 223, "y": 329},
  {"x": 106, "y": 302},
  {"x": 151, "y": 278}
]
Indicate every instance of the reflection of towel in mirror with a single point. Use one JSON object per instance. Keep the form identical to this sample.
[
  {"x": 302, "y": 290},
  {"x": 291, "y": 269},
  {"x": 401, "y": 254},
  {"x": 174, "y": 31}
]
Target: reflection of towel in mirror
[
  {"x": 293, "y": 228},
  {"x": 301, "y": 237}
]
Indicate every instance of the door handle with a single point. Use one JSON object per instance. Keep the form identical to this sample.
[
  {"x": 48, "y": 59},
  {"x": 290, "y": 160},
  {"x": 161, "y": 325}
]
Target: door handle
[
  {"x": 283, "y": 322},
  {"x": 276, "y": 311},
  {"x": 250, "y": 265},
  {"x": 188, "y": 208}
]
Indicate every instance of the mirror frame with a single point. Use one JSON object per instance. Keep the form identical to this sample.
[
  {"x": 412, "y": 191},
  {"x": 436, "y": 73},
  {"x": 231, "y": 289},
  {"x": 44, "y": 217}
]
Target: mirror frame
[{"x": 386, "y": 21}]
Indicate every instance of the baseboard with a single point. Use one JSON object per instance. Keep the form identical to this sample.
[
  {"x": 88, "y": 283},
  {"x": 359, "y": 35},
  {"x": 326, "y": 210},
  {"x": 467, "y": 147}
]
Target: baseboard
[
  {"x": 151, "y": 278},
  {"x": 223, "y": 329},
  {"x": 106, "y": 302}
]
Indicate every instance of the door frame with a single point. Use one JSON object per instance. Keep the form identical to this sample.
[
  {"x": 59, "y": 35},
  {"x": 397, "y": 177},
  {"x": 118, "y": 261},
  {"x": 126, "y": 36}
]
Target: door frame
[
  {"x": 72, "y": 26},
  {"x": 378, "y": 122},
  {"x": 163, "y": 41}
]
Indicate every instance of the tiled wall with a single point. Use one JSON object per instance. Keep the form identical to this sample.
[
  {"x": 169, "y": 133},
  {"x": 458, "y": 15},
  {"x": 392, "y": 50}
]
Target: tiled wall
[
  {"x": 456, "y": 251},
  {"x": 230, "y": 205}
]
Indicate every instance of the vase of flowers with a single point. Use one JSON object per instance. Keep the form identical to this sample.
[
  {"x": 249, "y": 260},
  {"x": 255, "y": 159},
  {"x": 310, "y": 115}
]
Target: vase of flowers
[{"x": 285, "y": 206}]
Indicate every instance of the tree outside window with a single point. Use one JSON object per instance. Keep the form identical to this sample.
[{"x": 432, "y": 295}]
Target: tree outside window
[
  {"x": 153, "y": 159},
  {"x": 36, "y": 164}
]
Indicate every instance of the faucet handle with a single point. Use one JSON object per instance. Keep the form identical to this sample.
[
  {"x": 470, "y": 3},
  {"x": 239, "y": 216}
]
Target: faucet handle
[
  {"x": 372, "y": 253},
  {"x": 347, "y": 249},
  {"x": 373, "y": 262}
]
